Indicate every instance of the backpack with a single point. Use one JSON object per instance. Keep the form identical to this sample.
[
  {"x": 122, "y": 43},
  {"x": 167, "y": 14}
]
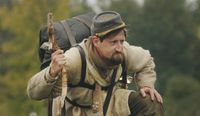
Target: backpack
[{"x": 67, "y": 34}]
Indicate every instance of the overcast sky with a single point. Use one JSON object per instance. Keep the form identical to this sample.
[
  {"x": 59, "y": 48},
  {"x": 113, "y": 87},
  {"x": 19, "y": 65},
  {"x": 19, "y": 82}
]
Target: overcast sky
[{"x": 96, "y": 8}]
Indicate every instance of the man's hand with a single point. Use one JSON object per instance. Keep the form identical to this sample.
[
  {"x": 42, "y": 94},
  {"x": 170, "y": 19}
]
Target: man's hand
[
  {"x": 57, "y": 62},
  {"x": 152, "y": 92}
]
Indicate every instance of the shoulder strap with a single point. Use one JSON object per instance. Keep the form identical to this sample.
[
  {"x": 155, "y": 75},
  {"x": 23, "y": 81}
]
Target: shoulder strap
[
  {"x": 83, "y": 73},
  {"x": 85, "y": 22},
  {"x": 68, "y": 32},
  {"x": 74, "y": 103},
  {"x": 49, "y": 108},
  {"x": 109, "y": 94},
  {"x": 83, "y": 67},
  {"x": 81, "y": 82},
  {"x": 124, "y": 74}
]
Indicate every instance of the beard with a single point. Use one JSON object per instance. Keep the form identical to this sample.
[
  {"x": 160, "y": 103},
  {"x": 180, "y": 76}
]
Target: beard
[{"x": 116, "y": 59}]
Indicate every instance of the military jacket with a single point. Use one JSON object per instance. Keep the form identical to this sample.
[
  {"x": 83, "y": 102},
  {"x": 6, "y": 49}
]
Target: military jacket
[{"x": 138, "y": 60}]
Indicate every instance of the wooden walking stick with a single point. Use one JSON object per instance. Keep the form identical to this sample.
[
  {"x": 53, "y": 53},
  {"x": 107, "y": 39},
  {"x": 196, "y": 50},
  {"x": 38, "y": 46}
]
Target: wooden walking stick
[
  {"x": 53, "y": 45},
  {"x": 97, "y": 106}
]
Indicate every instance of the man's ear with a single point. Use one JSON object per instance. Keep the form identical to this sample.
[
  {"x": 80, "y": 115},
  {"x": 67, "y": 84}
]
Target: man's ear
[{"x": 95, "y": 41}]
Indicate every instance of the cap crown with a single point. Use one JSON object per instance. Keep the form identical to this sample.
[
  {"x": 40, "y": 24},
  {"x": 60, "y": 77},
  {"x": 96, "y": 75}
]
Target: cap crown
[{"x": 106, "y": 22}]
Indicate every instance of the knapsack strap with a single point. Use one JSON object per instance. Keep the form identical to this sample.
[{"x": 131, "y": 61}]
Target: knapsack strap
[
  {"x": 83, "y": 73},
  {"x": 124, "y": 75},
  {"x": 63, "y": 111},
  {"x": 83, "y": 84},
  {"x": 85, "y": 22},
  {"x": 109, "y": 94},
  {"x": 74, "y": 103},
  {"x": 83, "y": 69},
  {"x": 68, "y": 32},
  {"x": 50, "y": 102}
]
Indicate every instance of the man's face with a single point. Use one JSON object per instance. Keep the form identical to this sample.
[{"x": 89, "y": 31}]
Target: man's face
[{"x": 111, "y": 48}]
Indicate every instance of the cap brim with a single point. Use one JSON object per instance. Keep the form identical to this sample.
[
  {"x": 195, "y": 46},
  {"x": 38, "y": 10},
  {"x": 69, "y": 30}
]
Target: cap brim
[{"x": 123, "y": 25}]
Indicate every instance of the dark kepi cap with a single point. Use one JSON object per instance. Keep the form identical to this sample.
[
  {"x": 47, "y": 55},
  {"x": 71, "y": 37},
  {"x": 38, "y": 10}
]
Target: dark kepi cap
[{"x": 106, "y": 22}]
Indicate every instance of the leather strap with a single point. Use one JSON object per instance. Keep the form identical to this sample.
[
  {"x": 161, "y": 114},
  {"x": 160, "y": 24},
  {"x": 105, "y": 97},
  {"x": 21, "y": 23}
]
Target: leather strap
[
  {"x": 83, "y": 84},
  {"x": 63, "y": 111},
  {"x": 50, "y": 101},
  {"x": 68, "y": 32},
  {"x": 74, "y": 103},
  {"x": 124, "y": 75},
  {"x": 109, "y": 94},
  {"x": 85, "y": 22},
  {"x": 83, "y": 67}
]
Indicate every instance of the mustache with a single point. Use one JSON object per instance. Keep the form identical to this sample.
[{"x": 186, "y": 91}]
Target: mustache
[{"x": 121, "y": 53}]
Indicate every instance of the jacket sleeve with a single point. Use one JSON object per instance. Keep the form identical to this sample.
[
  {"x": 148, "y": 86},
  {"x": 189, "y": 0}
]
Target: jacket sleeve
[
  {"x": 42, "y": 85},
  {"x": 141, "y": 62}
]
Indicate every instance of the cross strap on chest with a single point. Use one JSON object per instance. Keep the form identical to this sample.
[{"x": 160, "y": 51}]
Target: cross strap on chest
[{"x": 83, "y": 84}]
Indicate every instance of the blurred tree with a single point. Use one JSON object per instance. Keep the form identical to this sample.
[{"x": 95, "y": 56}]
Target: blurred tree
[
  {"x": 19, "y": 27},
  {"x": 182, "y": 98},
  {"x": 196, "y": 47},
  {"x": 8, "y": 3},
  {"x": 167, "y": 28}
]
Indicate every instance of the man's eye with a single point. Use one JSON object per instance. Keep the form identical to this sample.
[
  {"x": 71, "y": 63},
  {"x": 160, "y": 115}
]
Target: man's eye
[
  {"x": 113, "y": 42},
  {"x": 122, "y": 41}
]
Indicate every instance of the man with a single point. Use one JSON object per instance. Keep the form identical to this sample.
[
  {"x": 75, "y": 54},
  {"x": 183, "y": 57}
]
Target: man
[{"x": 106, "y": 53}]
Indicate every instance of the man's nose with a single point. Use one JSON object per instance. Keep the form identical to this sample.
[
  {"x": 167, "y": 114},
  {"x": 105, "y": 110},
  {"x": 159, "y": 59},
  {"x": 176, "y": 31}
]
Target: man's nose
[{"x": 119, "y": 47}]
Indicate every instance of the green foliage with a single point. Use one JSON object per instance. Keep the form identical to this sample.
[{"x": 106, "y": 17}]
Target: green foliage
[
  {"x": 182, "y": 96},
  {"x": 167, "y": 28},
  {"x": 19, "y": 30}
]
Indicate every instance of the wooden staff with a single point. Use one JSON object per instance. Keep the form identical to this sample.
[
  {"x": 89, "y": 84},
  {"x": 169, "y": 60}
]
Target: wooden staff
[{"x": 63, "y": 74}]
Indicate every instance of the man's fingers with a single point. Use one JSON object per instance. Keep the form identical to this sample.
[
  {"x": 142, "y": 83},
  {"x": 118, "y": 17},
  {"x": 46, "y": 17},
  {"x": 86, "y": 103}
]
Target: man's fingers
[
  {"x": 161, "y": 99},
  {"x": 58, "y": 60},
  {"x": 58, "y": 55},
  {"x": 151, "y": 91},
  {"x": 158, "y": 97},
  {"x": 61, "y": 63},
  {"x": 142, "y": 92},
  {"x": 57, "y": 52}
]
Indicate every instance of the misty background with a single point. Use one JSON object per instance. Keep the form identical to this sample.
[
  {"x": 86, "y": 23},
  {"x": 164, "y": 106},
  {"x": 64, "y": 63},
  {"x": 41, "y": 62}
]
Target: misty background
[{"x": 170, "y": 29}]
